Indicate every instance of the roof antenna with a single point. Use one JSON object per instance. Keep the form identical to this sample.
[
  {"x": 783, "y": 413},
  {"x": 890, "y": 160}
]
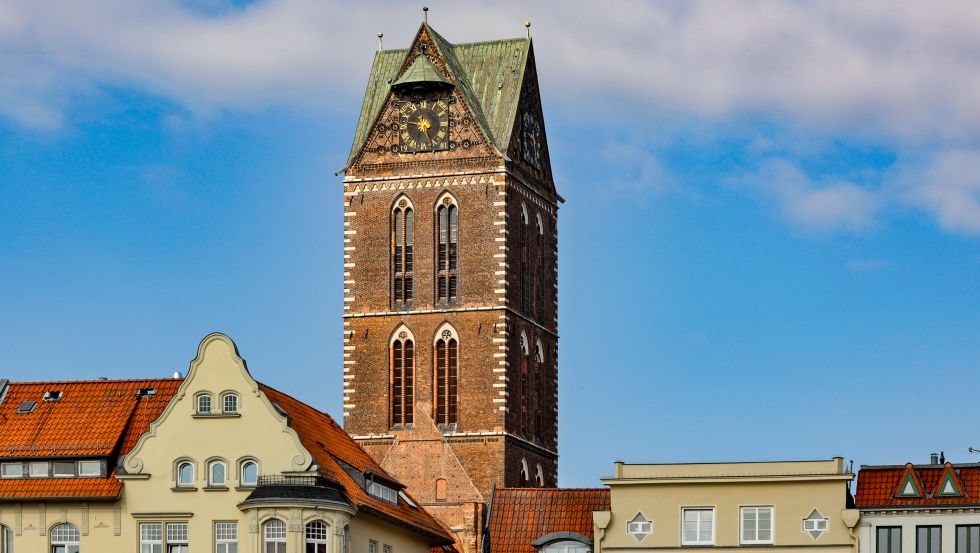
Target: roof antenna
[
  {"x": 380, "y": 45},
  {"x": 527, "y": 25},
  {"x": 425, "y": 14}
]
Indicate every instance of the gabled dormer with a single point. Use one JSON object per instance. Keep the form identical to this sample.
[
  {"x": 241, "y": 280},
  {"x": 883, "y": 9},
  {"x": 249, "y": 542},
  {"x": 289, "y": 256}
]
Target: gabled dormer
[
  {"x": 949, "y": 484},
  {"x": 909, "y": 485}
]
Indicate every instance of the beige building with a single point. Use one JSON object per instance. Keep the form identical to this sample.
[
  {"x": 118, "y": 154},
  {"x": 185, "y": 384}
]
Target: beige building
[
  {"x": 213, "y": 462},
  {"x": 749, "y": 506}
]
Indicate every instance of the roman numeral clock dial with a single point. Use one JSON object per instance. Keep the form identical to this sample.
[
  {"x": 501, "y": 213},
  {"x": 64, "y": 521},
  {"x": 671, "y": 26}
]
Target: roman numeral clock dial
[{"x": 423, "y": 126}]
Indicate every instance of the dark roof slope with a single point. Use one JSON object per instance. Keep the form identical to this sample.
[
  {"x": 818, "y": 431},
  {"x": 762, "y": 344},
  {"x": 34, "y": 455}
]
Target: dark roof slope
[
  {"x": 519, "y": 516},
  {"x": 329, "y": 443},
  {"x": 877, "y": 485}
]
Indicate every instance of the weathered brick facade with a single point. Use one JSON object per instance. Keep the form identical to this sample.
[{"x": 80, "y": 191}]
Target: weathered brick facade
[{"x": 495, "y": 170}]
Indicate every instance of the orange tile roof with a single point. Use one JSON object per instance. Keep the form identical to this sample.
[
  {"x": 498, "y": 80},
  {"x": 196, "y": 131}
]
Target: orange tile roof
[
  {"x": 327, "y": 442},
  {"x": 93, "y": 419},
  {"x": 518, "y": 516},
  {"x": 876, "y": 486}
]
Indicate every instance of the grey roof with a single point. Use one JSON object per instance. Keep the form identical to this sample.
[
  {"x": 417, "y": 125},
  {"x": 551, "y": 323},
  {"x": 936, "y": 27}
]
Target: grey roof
[{"x": 489, "y": 75}]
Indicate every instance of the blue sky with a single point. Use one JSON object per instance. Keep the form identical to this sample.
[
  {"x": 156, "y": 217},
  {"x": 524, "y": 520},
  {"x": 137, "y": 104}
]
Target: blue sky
[{"x": 770, "y": 247}]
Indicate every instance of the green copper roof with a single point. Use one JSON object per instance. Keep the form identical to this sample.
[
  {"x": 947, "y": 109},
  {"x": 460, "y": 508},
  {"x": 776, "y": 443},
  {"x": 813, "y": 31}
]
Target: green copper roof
[
  {"x": 489, "y": 76},
  {"x": 421, "y": 71}
]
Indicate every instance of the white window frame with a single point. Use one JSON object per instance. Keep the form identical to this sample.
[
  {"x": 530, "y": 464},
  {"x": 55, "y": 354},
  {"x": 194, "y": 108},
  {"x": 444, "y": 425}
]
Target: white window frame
[
  {"x": 635, "y": 527},
  {"x": 83, "y": 472},
  {"x": 317, "y": 541},
  {"x": 181, "y": 483},
  {"x": 177, "y": 537},
  {"x": 34, "y": 466},
  {"x": 241, "y": 473},
  {"x": 7, "y": 537},
  {"x": 372, "y": 546},
  {"x": 65, "y": 538},
  {"x": 700, "y": 511},
  {"x": 151, "y": 537},
  {"x": 197, "y": 403},
  {"x": 224, "y": 403},
  {"x": 18, "y": 473},
  {"x": 741, "y": 524},
  {"x": 226, "y": 537},
  {"x": 212, "y": 483},
  {"x": 274, "y": 534}
]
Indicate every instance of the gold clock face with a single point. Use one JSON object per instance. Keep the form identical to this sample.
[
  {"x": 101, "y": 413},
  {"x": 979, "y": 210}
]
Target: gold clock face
[{"x": 423, "y": 126}]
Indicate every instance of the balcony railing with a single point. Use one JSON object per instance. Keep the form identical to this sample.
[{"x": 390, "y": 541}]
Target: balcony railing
[{"x": 298, "y": 480}]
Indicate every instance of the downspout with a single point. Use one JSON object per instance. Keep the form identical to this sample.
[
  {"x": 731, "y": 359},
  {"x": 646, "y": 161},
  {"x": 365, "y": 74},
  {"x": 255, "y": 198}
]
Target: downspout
[{"x": 601, "y": 520}]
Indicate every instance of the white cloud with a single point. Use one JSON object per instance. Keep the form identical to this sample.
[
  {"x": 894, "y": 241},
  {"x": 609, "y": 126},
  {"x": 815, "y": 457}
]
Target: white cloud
[
  {"x": 948, "y": 187},
  {"x": 815, "y": 206},
  {"x": 635, "y": 168}
]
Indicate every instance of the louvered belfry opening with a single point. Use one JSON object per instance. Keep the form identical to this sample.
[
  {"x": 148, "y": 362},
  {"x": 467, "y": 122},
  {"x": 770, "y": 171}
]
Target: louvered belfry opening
[{"x": 402, "y": 381}]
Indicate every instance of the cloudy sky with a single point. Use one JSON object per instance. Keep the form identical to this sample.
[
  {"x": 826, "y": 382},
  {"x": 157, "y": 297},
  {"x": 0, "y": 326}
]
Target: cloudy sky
[{"x": 770, "y": 248}]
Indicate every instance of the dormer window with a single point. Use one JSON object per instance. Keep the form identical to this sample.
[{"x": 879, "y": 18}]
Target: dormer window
[
  {"x": 204, "y": 404},
  {"x": 381, "y": 491},
  {"x": 229, "y": 403},
  {"x": 52, "y": 395}
]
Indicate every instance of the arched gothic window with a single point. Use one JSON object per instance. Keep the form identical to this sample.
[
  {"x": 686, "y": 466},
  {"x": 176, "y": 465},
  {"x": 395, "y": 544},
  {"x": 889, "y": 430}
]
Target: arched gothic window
[
  {"x": 537, "y": 294},
  {"x": 274, "y": 536},
  {"x": 540, "y": 401},
  {"x": 446, "y": 376},
  {"x": 525, "y": 472},
  {"x": 402, "y": 231},
  {"x": 402, "y": 378},
  {"x": 525, "y": 396},
  {"x": 447, "y": 248},
  {"x": 524, "y": 267}
]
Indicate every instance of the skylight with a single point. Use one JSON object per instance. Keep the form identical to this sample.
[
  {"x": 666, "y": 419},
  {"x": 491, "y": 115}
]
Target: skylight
[
  {"x": 52, "y": 395},
  {"x": 27, "y": 407}
]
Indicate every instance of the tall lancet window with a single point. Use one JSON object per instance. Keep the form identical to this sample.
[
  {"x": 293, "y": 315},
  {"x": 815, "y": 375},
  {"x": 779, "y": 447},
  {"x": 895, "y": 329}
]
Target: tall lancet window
[
  {"x": 446, "y": 376},
  {"x": 402, "y": 231},
  {"x": 525, "y": 410},
  {"x": 402, "y": 382},
  {"x": 524, "y": 267},
  {"x": 447, "y": 249}
]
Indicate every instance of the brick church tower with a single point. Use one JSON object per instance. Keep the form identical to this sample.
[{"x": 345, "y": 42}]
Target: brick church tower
[{"x": 450, "y": 276}]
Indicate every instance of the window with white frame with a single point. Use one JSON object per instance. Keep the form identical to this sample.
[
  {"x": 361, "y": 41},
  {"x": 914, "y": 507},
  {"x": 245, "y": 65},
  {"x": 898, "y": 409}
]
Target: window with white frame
[
  {"x": 698, "y": 526},
  {"x": 756, "y": 525},
  {"x": 386, "y": 548},
  {"x": 39, "y": 469},
  {"x": 372, "y": 546},
  {"x": 317, "y": 537},
  {"x": 151, "y": 537},
  {"x": 65, "y": 539},
  {"x": 217, "y": 471},
  {"x": 177, "y": 537},
  {"x": 565, "y": 546},
  {"x": 639, "y": 527},
  {"x": 6, "y": 539},
  {"x": 90, "y": 468},
  {"x": 815, "y": 524},
  {"x": 12, "y": 470},
  {"x": 226, "y": 537},
  {"x": 229, "y": 403},
  {"x": 185, "y": 474},
  {"x": 274, "y": 536},
  {"x": 204, "y": 404},
  {"x": 249, "y": 473}
]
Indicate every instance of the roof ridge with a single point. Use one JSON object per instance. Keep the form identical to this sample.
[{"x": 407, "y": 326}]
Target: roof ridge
[{"x": 92, "y": 381}]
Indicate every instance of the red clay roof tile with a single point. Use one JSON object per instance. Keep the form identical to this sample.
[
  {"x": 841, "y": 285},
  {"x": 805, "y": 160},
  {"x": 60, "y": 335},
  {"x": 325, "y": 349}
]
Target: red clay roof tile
[
  {"x": 876, "y": 486},
  {"x": 518, "y": 516}
]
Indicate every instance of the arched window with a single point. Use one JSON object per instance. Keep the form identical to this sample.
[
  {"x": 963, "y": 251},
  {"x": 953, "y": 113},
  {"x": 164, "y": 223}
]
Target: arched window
[
  {"x": 525, "y": 472},
  {"x": 229, "y": 402},
  {"x": 446, "y": 376},
  {"x": 447, "y": 240},
  {"x": 442, "y": 489},
  {"x": 317, "y": 537},
  {"x": 566, "y": 546},
  {"x": 402, "y": 231},
  {"x": 539, "y": 399},
  {"x": 6, "y": 539},
  {"x": 537, "y": 294},
  {"x": 525, "y": 395},
  {"x": 524, "y": 269},
  {"x": 64, "y": 539},
  {"x": 402, "y": 378},
  {"x": 203, "y": 404},
  {"x": 217, "y": 473},
  {"x": 274, "y": 536},
  {"x": 539, "y": 475},
  {"x": 185, "y": 474},
  {"x": 248, "y": 473}
]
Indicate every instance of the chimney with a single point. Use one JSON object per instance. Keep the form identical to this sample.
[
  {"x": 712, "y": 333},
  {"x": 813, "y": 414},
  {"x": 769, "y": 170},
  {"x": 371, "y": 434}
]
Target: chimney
[{"x": 934, "y": 459}]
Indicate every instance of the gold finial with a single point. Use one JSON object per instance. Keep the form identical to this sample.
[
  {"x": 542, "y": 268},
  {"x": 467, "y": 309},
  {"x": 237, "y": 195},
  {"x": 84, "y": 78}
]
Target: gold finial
[
  {"x": 380, "y": 45},
  {"x": 527, "y": 25},
  {"x": 425, "y": 14}
]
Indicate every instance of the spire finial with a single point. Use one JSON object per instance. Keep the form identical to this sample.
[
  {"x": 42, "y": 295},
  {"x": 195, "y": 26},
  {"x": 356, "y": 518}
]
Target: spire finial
[
  {"x": 425, "y": 14},
  {"x": 380, "y": 45},
  {"x": 527, "y": 25}
]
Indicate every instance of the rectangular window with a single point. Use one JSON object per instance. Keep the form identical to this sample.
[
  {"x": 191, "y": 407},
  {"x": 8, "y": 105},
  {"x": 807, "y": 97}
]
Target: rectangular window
[
  {"x": 12, "y": 470},
  {"x": 64, "y": 468},
  {"x": 372, "y": 546},
  {"x": 177, "y": 537},
  {"x": 387, "y": 548},
  {"x": 226, "y": 537},
  {"x": 699, "y": 527},
  {"x": 968, "y": 538},
  {"x": 928, "y": 539},
  {"x": 90, "y": 468},
  {"x": 757, "y": 525},
  {"x": 151, "y": 537},
  {"x": 39, "y": 469},
  {"x": 889, "y": 539}
]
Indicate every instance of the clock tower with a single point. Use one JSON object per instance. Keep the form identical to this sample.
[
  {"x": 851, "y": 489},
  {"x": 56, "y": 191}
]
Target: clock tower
[{"x": 450, "y": 276}]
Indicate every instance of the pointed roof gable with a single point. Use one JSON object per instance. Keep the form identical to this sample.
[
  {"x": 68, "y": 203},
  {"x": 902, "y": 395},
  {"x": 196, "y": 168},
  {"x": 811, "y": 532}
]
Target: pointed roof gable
[
  {"x": 421, "y": 71},
  {"x": 488, "y": 75},
  {"x": 878, "y": 486},
  {"x": 909, "y": 485},
  {"x": 949, "y": 483}
]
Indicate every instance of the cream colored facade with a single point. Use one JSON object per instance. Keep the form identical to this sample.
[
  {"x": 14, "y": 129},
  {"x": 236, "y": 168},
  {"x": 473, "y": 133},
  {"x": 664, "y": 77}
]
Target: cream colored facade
[
  {"x": 772, "y": 498},
  {"x": 255, "y": 432}
]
